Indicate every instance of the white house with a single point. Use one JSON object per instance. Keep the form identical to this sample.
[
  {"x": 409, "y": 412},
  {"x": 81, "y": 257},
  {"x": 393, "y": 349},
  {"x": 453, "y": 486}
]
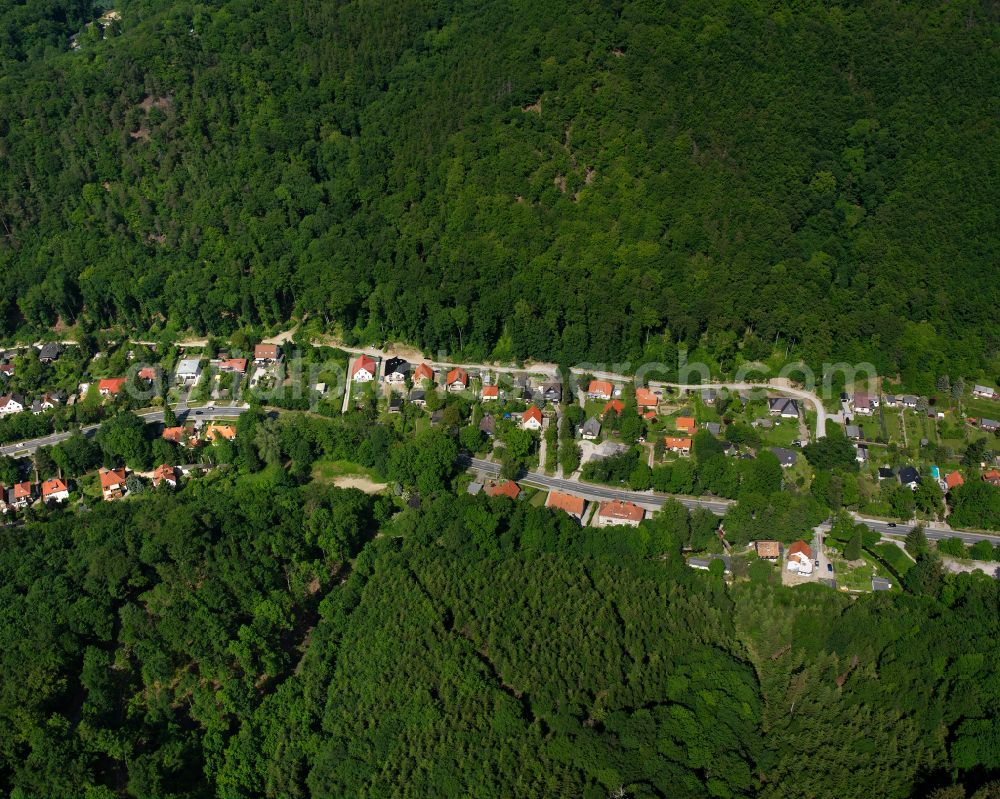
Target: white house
[
  {"x": 55, "y": 490},
  {"x": 10, "y": 404},
  {"x": 985, "y": 392},
  {"x": 532, "y": 419},
  {"x": 363, "y": 369},
  {"x": 188, "y": 370},
  {"x": 800, "y": 558}
]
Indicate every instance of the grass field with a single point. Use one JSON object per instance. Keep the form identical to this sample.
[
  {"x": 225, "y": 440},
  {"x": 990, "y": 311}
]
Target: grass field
[
  {"x": 328, "y": 471},
  {"x": 894, "y": 556}
]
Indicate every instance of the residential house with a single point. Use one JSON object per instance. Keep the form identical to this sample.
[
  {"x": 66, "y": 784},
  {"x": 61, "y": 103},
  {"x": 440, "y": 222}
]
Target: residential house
[
  {"x": 395, "y": 404},
  {"x": 567, "y": 503},
  {"x": 552, "y": 391},
  {"x": 490, "y": 393},
  {"x": 418, "y": 397},
  {"x": 265, "y": 353},
  {"x": 886, "y": 473},
  {"x": 233, "y": 365},
  {"x": 180, "y": 435},
  {"x": 786, "y": 457},
  {"x": 508, "y": 488},
  {"x": 686, "y": 424},
  {"x": 11, "y": 404},
  {"x": 113, "y": 483},
  {"x": 618, "y": 512},
  {"x": 600, "y": 389},
  {"x": 862, "y": 403},
  {"x": 532, "y": 419},
  {"x": 861, "y": 453},
  {"x": 148, "y": 374},
  {"x": 363, "y": 369},
  {"x": 20, "y": 495},
  {"x": 644, "y": 398},
  {"x": 768, "y": 550},
  {"x": 704, "y": 564},
  {"x": 709, "y": 395},
  {"x": 50, "y": 352},
  {"x": 111, "y": 386},
  {"x": 397, "y": 371},
  {"x": 650, "y": 416},
  {"x": 488, "y": 426},
  {"x": 989, "y": 425},
  {"x": 785, "y": 407},
  {"x": 800, "y": 558},
  {"x": 853, "y": 431},
  {"x": 46, "y": 402},
  {"x": 890, "y": 401},
  {"x": 677, "y": 444},
  {"x": 713, "y": 427},
  {"x": 6, "y": 370},
  {"x": 55, "y": 491},
  {"x": 457, "y": 380},
  {"x": 590, "y": 429},
  {"x": 421, "y": 373},
  {"x": 472, "y": 489},
  {"x": 615, "y": 405},
  {"x": 992, "y": 477},
  {"x": 984, "y": 392},
  {"x": 881, "y": 584},
  {"x": 216, "y": 431},
  {"x": 762, "y": 423},
  {"x": 909, "y": 401},
  {"x": 188, "y": 370},
  {"x": 165, "y": 473},
  {"x": 953, "y": 480},
  {"x": 908, "y": 476}
]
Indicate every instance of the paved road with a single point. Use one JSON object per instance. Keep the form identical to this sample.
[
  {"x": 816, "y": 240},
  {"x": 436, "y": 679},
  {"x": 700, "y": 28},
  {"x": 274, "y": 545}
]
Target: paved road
[
  {"x": 934, "y": 532},
  {"x": 24, "y": 448},
  {"x": 650, "y": 500},
  {"x": 593, "y": 492}
]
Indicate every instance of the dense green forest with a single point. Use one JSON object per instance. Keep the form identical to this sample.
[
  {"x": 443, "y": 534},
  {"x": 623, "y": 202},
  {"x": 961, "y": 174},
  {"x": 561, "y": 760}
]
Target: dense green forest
[
  {"x": 252, "y": 637},
  {"x": 570, "y": 181}
]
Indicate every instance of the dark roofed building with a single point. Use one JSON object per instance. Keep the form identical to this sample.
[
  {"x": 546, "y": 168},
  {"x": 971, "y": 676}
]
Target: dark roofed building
[{"x": 786, "y": 457}]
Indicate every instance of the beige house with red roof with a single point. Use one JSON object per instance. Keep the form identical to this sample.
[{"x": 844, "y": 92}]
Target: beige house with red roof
[
  {"x": 363, "y": 369},
  {"x": 615, "y": 405},
  {"x": 457, "y": 380},
  {"x": 685, "y": 423},
  {"x": 265, "y": 353},
  {"x": 618, "y": 512},
  {"x": 55, "y": 490},
  {"x": 600, "y": 389},
  {"x": 421, "y": 373},
  {"x": 111, "y": 386},
  {"x": 508, "y": 488},
  {"x": 113, "y": 483},
  {"x": 678, "y": 444},
  {"x": 800, "y": 558},
  {"x": 567, "y": 503},
  {"x": 532, "y": 419},
  {"x": 644, "y": 398},
  {"x": 165, "y": 473}
]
